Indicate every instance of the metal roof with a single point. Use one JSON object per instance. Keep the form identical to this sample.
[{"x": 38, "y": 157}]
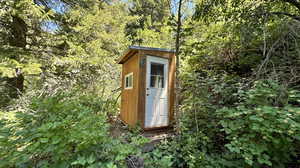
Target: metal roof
[
  {"x": 131, "y": 49},
  {"x": 150, "y": 48}
]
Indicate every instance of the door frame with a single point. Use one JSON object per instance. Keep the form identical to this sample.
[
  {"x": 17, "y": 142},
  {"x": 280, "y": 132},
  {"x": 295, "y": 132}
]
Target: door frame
[{"x": 166, "y": 62}]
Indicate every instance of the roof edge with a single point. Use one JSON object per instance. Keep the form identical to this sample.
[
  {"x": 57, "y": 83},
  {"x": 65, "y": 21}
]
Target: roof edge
[
  {"x": 125, "y": 56},
  {"x": 151, "y": 49}
]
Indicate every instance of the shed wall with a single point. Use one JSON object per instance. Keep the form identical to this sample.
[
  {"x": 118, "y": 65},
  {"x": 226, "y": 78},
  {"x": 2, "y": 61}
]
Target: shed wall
[
  {"x": 142, "y": 82},
  {"x": 129, "y": 97}
]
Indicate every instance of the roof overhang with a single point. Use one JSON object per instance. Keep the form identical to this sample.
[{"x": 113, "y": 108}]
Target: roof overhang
[{"x": 134, "y": 49}]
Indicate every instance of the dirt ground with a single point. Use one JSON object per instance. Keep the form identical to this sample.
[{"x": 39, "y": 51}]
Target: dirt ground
[{"x": 119, "y": 129}]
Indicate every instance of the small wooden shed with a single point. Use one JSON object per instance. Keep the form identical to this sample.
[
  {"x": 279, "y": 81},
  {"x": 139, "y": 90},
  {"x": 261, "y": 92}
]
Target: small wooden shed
[{"x": 148, "y": 78}]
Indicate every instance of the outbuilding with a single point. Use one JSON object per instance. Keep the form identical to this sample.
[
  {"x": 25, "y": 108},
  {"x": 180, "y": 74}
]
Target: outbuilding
[{"x": 148, "y": 79}]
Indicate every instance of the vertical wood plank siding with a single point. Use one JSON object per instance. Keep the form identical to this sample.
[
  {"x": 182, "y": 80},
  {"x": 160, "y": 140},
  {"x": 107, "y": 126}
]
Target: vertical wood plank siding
[
  {"x": 134, "y": 100},
  {"x": 129, "y": 98}
]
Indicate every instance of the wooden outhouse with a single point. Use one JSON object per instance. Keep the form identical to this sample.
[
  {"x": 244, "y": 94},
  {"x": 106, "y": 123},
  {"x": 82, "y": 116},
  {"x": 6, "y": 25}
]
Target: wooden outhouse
[{"x": 148, "y": 78}]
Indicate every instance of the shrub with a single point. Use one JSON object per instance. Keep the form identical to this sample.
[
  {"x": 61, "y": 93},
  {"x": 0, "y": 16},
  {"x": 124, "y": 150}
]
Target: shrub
[
  {"x": 159, "y": 158},
  {"x": 230, "y": 122},
  {"x": 61, "y": 131},
  {"x": 265, "y": 129}
]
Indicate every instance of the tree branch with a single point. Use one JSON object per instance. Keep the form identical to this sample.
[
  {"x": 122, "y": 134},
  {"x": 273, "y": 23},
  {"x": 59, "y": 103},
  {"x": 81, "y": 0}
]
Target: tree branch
[
  {"x": 295, "y": 17},
  {"x": 294, "y": 3},
  {"x": 178, "y": 30}
]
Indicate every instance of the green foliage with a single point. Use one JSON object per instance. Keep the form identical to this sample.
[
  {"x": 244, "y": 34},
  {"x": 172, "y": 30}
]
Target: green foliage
[
  {"x": 260, "y": 131},
  {"x": 61, "y": 131},
  {"x": 8, "y": 68},
  {"x": 158, "y": 158},
  {"x": 152, "y": 26},
  {"x": 92, "y": 38},
  {"x": 227, "y": 123},
  {"x": 231, "y": 117},
  {"x": 78, "y": 48},
  {"x": 12, "y": 55},
  {"x": 240, "y": 100},
  {"x": 201, "y": 143}
]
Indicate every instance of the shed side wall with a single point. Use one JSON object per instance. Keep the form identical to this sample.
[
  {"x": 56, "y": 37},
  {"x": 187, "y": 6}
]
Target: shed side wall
[{"x": 129, "y": 97}]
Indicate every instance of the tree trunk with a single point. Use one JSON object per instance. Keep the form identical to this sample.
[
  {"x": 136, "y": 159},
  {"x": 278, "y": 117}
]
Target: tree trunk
[
  {"x": 16, "y": 84},
  {"x": 18, "y": 30},
  {"x": 177, "y": 82}
]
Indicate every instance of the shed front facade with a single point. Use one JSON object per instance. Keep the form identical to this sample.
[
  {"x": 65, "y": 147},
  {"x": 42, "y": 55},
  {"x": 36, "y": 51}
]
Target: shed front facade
[{"x": 148, "y": 79}]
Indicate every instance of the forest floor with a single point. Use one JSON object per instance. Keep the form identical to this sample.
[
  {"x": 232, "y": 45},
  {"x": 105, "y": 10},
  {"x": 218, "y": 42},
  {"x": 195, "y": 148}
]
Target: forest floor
[{"x": 119, "y": 129}]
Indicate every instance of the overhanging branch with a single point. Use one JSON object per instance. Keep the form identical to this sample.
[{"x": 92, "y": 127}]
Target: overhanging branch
[
  {"x": 295, "y": 17},
  {"x": 294, "y": 3}
]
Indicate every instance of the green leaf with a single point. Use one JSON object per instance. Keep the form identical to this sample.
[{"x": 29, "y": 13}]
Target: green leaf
[
  {"x": 91, "y": 159},
  {"x": 111, "y": 165},
  {"x": 44, "y": 140},
  {"x": 80, "y": 161}
]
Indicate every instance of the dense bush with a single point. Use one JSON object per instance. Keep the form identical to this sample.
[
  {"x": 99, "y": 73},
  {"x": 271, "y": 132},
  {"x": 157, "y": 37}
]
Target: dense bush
[
  {"x": 61, "y": 131},
  {"x": 159, "y": 157},
  {"x": 265, "y": 129},
  {"x": 231, "y": 122}
]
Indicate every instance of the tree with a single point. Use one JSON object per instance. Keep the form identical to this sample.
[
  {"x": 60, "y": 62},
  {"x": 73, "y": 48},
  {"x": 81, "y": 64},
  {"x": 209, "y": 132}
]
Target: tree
[
  {"x": 95, "y": 40},
  {"x": 41, "y": 32},
  {"x": 177, "y": 52},
  {"x": 20, "y": 23},
  {"x": 152, "y": 24}
]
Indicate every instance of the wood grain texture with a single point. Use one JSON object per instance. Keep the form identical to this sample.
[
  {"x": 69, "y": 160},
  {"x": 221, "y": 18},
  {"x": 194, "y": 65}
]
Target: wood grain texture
[
  {"x": 142, "y": 90},
  {"x": 129, "y": 99},
  {"x": 133, "y": 101}
]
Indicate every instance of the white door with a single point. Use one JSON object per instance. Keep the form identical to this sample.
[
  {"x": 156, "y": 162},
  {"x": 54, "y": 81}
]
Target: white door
[{"x": 157, "y": 112}]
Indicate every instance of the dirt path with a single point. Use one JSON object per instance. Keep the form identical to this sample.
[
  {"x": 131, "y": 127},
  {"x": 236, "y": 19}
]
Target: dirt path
[{"x": 118, "y": 130}]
